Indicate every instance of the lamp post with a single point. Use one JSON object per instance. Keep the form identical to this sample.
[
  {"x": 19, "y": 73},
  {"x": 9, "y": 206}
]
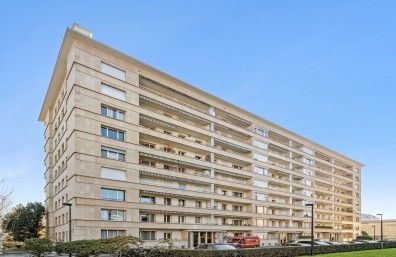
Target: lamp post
[
  {"x": 70, "y": 224},
  {"x": 374, "y": 232},
  {"x": 312, "y": 226},
  {"x": 382, "y": 234}
]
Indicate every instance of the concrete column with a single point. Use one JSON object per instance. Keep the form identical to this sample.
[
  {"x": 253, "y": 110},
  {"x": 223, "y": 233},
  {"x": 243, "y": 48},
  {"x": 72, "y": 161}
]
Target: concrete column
[
  {"x": 212, "y": 203},
  {"x": 212, "y": 188},
  {"x": 212, "y": 126},
  {"x": 212, "y": 172},
  {"x": 212, "y": 157},
  {"x": 212, "y": 142}
]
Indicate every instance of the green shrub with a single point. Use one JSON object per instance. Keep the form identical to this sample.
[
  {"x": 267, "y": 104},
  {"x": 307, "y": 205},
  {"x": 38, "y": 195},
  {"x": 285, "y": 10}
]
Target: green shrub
[
  {"x": 364, "y": 238},
  {"x": 38, "y": 246}
]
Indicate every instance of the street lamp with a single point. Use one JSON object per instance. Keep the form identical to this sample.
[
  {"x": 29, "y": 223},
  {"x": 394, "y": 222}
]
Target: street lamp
[
  {"x": 382, "y": 234},
  {"x": 70, "y": 224},
  {"x": 312, "y": 226},
  {"x": 374, "y": 231}
]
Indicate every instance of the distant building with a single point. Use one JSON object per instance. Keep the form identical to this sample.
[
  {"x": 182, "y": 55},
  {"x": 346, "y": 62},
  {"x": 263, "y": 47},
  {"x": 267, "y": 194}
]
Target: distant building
[
  {"x": 389, "y": 227},
  {"x": 139, "y": 152},
  {"x": 368, "y": 217}
]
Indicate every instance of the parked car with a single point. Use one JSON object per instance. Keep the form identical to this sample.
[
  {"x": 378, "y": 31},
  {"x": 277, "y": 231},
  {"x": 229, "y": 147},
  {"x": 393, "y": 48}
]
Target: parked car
[
  {"x": 335, "y": 243},
  {"x": 209, "y": 246},
  {"x": 295, "y": 243},
  {"x": 368, "y": 241},
  {"x": 244, "y": 241},
  {"x": 315, "y": 242}
]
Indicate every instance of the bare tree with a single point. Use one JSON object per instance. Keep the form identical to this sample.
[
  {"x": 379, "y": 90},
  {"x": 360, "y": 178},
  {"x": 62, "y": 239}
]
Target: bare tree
[{"x": 5, "y": 203}]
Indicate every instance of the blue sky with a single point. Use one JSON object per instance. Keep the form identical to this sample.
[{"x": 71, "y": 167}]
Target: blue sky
[{"x": 323, "y": 69}]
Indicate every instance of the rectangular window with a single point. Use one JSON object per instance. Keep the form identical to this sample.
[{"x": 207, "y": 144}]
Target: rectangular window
[
  {"x": 261, "y": 132},
  {"x": 112, "y": 133},
  {"x": 112, "y": 113},
  {"x": 167, "y": 218},
  {"x": 260, "y": 222},
  {"x": 181, "y": 202},
  {"x": 261, "y": 183},
  {"x": 198, "y": 220},
  {"x": 112, "y": 233},
  {"x": 147, "y": 199},
  {"x": 237, "y": 208},
  {"x": 259, "y": 209},
  {"x": 112, "y": 194},
  {"x": 261, "y": 145},
  {"x": 117, "y": 215},
  {"x": 113, "y": 92},
  {"x": 115, "y": 174},
  {"x": 167, "y": 235},
  {"x": 147, "y": 235},
  {"x": 181, "y": 219},
  {"x": 261, "y": 197},
  {"x": 198, "y": 204},
  {"x": 262, "y": 171},
  {"x": 260, "y": 157},
  {"x": 167, "y": 201},
  {"x": 147, "y": 218},
  {"x": 182, "y": 186},
  {"x": 237, "y": 194},
  {"x": 111, "y": 153},
  {"x": 113, "y": 71}
]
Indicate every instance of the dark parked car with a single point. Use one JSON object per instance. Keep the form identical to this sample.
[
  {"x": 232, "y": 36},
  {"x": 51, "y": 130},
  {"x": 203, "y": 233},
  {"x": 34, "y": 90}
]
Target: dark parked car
[
  {"x": 295, "y": 244},
  {"x": 215, "y": 246}
]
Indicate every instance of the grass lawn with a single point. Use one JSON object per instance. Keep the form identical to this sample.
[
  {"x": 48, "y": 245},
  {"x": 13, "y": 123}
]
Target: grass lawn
[{"x": 372, "y": 253}]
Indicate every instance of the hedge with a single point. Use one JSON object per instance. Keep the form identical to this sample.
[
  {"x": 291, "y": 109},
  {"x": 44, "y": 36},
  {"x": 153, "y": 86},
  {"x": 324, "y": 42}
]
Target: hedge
[
  {"x": 288, "y": 251},
  {"x": 132, "y": 247}
]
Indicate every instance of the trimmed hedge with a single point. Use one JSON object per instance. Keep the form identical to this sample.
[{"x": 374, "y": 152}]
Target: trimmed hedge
[
  {"x": 288, "y": 251},
  {"x": 132, "y": 247}
]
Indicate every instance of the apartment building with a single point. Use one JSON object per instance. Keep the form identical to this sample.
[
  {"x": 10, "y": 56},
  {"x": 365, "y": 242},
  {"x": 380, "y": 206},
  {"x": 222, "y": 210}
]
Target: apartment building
[{"x": 139, "y": 152}]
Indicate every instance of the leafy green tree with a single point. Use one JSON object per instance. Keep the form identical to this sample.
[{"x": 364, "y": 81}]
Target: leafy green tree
[
  {"x": 24, "y": 222},
  {"x": 364, "y": 233}
]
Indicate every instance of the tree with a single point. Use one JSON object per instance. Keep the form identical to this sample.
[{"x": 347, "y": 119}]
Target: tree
[
  {"x": 5, "y": 202},
  {"x": 24, "y": 222},
  {"x": 364, "y": 233}
]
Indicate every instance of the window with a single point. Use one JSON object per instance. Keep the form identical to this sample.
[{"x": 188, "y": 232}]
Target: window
[
  {"x": 260, "y": 222},
  {"x": 112, "y": 215},
  {"x": 167, "y": 218},
  {"x": 113, "y": 113},
  {"x": 260, "y": 170},
  {"x": 112, "y": 233},
  {"x": 307, "y": 161},
  {"x": 224, "y": 206},
  {"x": 260, "y": 157},
  {"x": 261, "y": 145},
  {"x": 111, "y": 153},
  {"x": 237, "y": 194},
  {"x": 181, "y": 202},
  {"x": 147, "y": 217},
  {"x": 181, "y": 219},
  {"x": 261, "y": 132},
  {"x": 223, "y": 192},
  {"x": 261, "y": 183},
  {"x": 167, "y": 201},
  {"x": 147, "y": 199},
  {"x": 261, "y": 197},
  {"x": 259, "y": 209},
  {"x": 198, "y": 220},
  {"x": 237, "y": 222},
  {"x": 112, "y": 194},
  {"x": 182, "y": 186},
  {"x": 237, "y": 167},
  {"x": 198, "y": 204},
  {"x": 182, "y": 153},
  {"x": 167, "y": 235},
  {"x": 115, "y": 174},
  {"x": 112, "y": 133},
  {"x": 113, "y": 71},
  {"x": 113, "y": 92},
  {"x": 237, "y": 208},
  {"x": 147, "y": 235}
]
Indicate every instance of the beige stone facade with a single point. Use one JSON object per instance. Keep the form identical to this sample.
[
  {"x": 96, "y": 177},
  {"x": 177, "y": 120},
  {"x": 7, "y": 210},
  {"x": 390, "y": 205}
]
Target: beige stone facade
[
  {"x": 388, "y": 226},
  {"x": 137, "y": 151}
]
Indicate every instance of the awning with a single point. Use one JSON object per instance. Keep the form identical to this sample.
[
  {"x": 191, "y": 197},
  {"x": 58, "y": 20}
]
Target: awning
[
  {"x": 158, "y": 175},
  {"x": 161, "y": 123},
  {"x": 174, "y": 161},
  {"x": 232, "y": 145}
]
